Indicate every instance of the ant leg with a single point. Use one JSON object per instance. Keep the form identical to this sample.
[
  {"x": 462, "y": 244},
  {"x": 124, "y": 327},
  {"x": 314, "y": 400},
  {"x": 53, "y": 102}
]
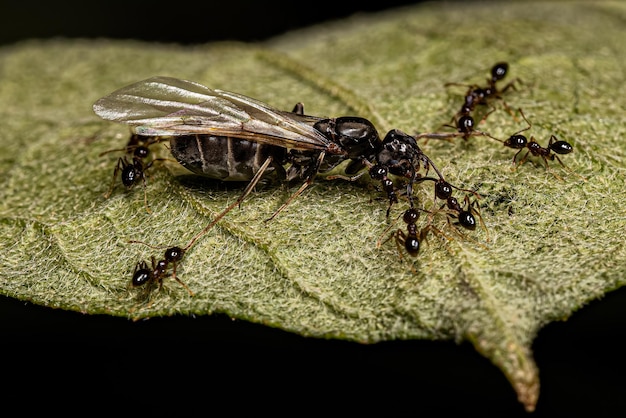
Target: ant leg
[
  {"x": 569, "y": 169},
  {"x": 474, "y": 209},
  {"x": 346, "y": 178},
  {"x": 180, "y": 281},
  {"x": 400, "y": 238},
  {"x": 522, "y": 160},
  {"x": 230, "y": 207},
  {"x": 307, "y": 182},
  {"x": 174, "y": 255},
  {"x": 486, "y": 115},
  {"x": 145, "y": 185},
  {"x": 121, "y": 163},
  {"x": 511, "y": 85}
]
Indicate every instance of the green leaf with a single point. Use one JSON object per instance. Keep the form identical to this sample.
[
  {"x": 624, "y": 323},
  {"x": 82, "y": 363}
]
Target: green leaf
[{"x": 550, "y": 245}]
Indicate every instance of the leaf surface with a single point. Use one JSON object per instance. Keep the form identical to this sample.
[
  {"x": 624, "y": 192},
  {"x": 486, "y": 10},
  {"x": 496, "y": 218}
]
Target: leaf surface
[{"x": 550, "y": 246}]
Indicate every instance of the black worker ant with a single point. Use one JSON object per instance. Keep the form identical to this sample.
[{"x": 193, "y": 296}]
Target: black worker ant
[
  {"x": 154, "y": 275},
  {"x": 555, "y": 147},
  {"x": 477, "y": 95},
  {"x": 133, "y": 171},
  {"x": 413, "y": 238}
]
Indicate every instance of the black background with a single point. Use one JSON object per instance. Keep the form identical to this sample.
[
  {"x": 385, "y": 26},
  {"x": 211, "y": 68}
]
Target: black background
[{"x": 69, "y": 362}]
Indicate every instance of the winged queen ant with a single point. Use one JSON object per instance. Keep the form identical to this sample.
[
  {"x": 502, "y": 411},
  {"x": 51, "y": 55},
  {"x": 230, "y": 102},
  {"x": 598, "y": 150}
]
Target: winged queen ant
[{"x": 228, "y": 136}]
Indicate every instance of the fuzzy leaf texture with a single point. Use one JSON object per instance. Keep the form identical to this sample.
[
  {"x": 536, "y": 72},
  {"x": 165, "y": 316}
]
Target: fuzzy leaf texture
[{"x": 549, "y": 245}]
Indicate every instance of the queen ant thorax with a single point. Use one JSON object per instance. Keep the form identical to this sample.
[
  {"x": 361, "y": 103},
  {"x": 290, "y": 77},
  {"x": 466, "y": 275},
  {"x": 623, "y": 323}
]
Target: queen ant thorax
[{"x": 555, "y": 148}]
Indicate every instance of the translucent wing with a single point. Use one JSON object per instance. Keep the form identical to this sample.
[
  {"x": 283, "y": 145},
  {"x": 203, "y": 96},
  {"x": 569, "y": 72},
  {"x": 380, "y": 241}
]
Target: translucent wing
[{"x": 166, "y": 106}]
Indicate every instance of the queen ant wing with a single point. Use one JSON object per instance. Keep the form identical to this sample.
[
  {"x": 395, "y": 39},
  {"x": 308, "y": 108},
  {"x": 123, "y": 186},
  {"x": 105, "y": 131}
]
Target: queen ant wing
[{"x": 166, "y": 106}]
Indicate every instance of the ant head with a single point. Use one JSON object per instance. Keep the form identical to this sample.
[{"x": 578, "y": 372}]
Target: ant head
[
  {"x": 443, "y": 189},
  {"x": 516, "y": 141},
  {"x": 173, "y": 254},
  {"x": 465, "y": 124},
  {"x": 141, "y": 152},
  {"x": 498, "y": 71},
  {"x": 378, "y": 172}
]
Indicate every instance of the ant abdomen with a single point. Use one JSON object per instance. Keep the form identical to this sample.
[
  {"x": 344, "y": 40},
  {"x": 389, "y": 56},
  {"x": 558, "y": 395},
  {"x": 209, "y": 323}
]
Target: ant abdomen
[
  {"x": 561, "y": 147},
  {"x": 411, "y": 243},
  {"x": 467, "y": 220},
  {"x": 498, "y": 71},
  {"x": 142, "y": 274}
]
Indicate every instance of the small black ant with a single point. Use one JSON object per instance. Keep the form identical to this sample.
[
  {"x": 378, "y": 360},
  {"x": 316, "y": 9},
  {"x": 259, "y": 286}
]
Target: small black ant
[
  {"x": 413, "y": 238},
  {"x": 465, "y": 126},
  {"x": 133, "y": 171},
  {"x": 520, "y": 142},
  {"x": 465, "y": 216},
  {"x": 143, "y": 274},
  {"x": 477, "y": 95},
  {"x": 481, "y": 95},
  {"x": 498, "y": 72}
]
